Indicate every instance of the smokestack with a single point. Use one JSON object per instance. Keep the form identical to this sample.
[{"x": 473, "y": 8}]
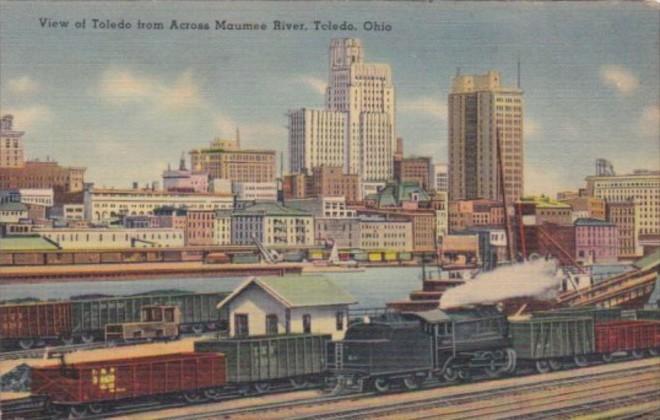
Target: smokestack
[
  {"x": 238, "y": 138},
  {"x": 518, "y": 73},
  {"x": 135, "y": 185}
]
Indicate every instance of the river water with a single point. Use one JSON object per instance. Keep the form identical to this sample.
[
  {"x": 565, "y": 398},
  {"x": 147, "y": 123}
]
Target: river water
[{"x": 371, "y": 288}]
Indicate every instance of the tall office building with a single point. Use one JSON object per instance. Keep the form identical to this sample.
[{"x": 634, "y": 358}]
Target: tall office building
[
  {"x": 359, "y": 115},
  {"x": 479, "y": 107},
  {"x": 11, "y": 144}
]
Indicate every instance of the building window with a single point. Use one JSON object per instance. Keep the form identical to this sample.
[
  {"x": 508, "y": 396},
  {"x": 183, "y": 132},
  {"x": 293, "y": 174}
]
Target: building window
[
  {"x": 340, "y": 321},
  {"x": 241, "y": 328},
  {"x": 271, "y": 324},
  {"x": 307, "y": 323}
]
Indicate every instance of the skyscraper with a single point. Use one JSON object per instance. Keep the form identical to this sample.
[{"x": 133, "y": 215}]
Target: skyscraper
[
  {"x": 359, "y": 115},
  {"x": 479, "y": 107}
]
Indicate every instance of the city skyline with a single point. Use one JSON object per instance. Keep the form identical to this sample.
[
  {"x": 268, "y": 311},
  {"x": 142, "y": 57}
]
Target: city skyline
[{"x": 89, "y": 101}]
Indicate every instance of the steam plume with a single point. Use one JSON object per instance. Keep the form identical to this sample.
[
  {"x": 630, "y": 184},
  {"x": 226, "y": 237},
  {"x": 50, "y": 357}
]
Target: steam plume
[{"x": 536, "y": 278}]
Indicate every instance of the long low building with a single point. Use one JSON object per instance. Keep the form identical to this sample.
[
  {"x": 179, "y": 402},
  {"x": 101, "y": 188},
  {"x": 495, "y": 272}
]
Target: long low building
[
  {"x": 105, "y": 205},
  {"x": 112, "y": 238}
]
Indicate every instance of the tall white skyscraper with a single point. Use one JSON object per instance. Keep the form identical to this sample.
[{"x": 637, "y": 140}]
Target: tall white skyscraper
[{"x": 359, "y": 113}]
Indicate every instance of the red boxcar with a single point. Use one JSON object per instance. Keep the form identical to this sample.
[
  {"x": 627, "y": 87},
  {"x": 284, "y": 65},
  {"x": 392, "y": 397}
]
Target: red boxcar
[
  {"x": 122, "y": 379},
  {"x": 621, "y": 335},
  {"x": 35, "y": 320}
]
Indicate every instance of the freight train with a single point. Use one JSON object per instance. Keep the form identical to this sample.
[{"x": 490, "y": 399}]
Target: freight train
[
  {"x": 403, "y": 350},
  {"x": 40, "y": 323}
]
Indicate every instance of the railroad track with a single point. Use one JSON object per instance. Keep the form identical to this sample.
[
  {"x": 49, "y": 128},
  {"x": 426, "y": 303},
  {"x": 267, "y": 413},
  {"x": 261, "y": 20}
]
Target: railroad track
[
  {"x": 504, "y": 401},
  {"x": 287, "y": 409}
]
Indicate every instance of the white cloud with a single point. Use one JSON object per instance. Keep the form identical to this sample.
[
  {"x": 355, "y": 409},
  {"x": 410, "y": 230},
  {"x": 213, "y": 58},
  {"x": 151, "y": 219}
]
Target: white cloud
[
  {"x": 649, "y": 122},
  {"x": 28, "y": 117},
  {"x": 531, "y": 127},
  {"x": 23, "y": 85},
  {"x": 619, "y": 78},
  {"x": 425, "y": 105},
  {"x": 316, "y": 84},
  {"x": 121, "y": 86}
]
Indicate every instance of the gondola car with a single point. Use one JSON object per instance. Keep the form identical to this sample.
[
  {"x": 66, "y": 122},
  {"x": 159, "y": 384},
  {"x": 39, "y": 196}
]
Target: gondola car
[
  {"x": 93, "y": 387},
  {"x": 33, "y": 324},
  {"x": 218, "y": 368}
]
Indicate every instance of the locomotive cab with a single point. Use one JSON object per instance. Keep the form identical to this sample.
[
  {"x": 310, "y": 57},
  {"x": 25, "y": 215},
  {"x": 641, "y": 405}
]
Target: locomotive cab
[
  {"x": 156, "y": 322},
  {"x": 378, "y": 352}
]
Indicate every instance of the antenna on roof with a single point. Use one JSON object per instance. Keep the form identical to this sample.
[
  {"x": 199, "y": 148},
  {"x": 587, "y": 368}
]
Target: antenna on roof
[
  {"x": 518, "y": 73},
  {"x": 458, "y": 71},
  {"x": 281, "y": 164}
]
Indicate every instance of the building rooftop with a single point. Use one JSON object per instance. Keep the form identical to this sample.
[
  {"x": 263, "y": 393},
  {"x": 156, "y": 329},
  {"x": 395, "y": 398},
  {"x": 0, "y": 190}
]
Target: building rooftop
[
  {"x": 394, "y": 193},
  {"x": 544, "y": 202},
  {"x": 20, "y": 243},
  {"x": 270, "y": 209},
  {"x": 587, "y": 221},
  {"x": 297, "y": 291},
  {"x": 159, "y": 192}
]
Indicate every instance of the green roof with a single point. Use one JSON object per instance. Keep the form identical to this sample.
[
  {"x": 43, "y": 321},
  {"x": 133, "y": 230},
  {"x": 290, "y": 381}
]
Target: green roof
[
  {"x": 23, "y": 243},
  {"x": 298, "y": 291},
  {"x": 270, "y": 209},
  {"x": 650, "y": 261},
  {"x": 394, "y": 193},
  {"x": 545, "y": 202}
]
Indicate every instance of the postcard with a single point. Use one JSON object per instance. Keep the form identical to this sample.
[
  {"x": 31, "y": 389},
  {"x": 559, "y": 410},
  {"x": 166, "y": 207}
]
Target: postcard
[{"x": 325, "y": 209}]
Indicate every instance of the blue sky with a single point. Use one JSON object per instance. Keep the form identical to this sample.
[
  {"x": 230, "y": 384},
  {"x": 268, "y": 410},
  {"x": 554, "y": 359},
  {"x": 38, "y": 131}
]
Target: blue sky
[{"x": 125, "y": 103}]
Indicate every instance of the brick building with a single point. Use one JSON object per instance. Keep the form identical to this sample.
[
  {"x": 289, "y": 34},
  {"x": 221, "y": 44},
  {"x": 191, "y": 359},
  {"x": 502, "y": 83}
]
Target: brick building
[
  {"x": 414, "y": 169},
  {"x": 596, "y": 241},
  {"x": 464, "y": 214}
]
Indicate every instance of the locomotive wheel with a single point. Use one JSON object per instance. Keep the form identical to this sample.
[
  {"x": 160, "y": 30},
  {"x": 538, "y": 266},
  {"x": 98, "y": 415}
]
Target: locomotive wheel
[
  {"x": 213, "y": 394},
  {"x": 87, "y": 338},
  {"x": 26, "y": 344},
  {"x": 381, "y": 384},
  {"x": 492, "y": 371},
  {"x": 464, "y": 375},
  {"x": 580, "y": 361},
  {"x": 607, "y": 358},
  {"x": 298, "y": 383},
  {"x": 554, "y": 364},
  {"x": 261, "y": 387},
  {"x": 67, "y": 341},
  {"x": 192, "y": 397},
  {"x": 637, "y": 354},
  {"x": 511, "y": 357},
  {"x": 77, "y": 412},
  {"x": 412, "y": 382},
  {"x": 95, "y": 408},
  {"x": 654, "y": 352},
  {"x": 450, "y": 374},
  {"x": 197, "y": 329},
  {"x": 542, "y": 366}
]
